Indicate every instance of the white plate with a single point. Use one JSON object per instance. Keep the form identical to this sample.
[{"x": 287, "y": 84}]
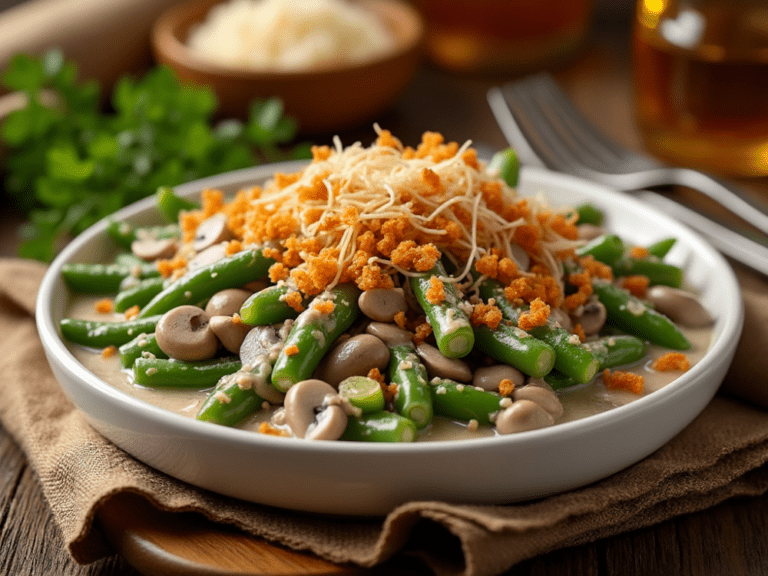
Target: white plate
[{"x": 359, "y": 478}]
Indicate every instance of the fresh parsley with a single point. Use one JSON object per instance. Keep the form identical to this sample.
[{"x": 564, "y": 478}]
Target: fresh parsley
[{"x": 68, "y": 162}]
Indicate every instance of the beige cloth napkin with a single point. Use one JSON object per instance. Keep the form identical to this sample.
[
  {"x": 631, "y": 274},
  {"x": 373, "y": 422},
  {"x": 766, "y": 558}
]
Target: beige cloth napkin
[{"x": 720, "y": 455}]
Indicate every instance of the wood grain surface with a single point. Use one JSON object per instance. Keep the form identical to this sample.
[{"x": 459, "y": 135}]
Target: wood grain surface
[{"x": 728, "y": 539}]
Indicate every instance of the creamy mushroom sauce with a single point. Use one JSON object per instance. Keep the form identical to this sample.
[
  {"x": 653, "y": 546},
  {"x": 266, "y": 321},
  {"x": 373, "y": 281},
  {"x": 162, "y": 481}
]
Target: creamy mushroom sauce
[{"x": 578, "y": 402}]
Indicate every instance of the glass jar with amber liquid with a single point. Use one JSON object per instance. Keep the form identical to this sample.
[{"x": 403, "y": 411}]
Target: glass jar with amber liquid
[
  {"x": 504, "y": 35},
  {"x": 701, "y": 83}
]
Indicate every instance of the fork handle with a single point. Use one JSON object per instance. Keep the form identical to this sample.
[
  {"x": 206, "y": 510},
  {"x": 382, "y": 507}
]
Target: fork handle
[
  {"x": 730, "y": 197},
  {"x": 730, "y": 243}
]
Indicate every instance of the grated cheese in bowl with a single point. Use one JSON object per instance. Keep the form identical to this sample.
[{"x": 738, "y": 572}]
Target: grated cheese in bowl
[{"x": 274, "y": 35}]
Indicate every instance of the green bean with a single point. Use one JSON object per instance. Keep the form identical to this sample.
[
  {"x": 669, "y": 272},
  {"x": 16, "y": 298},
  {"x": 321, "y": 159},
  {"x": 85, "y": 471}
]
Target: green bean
[
  {"x": 661, "y": 248},
  {"x": 507, "y": 164},
  {"x": 139, "y": 294},
  {"x": 313, "y": 333},
  {"x": 170, "y": 205},
  {"x": 412, "y": 399},
  {"x": 656, "y": 271},
  {"x": 230, "y": 403},
  {"x": 123, "y": 234},
  {"x": 450, "y": 324},
  {"x": 515, "y": 347},
  {"x": 96, "y": 278},
  {"x": 571, "y": 358},
  {"x": 202, "y": 283},
  {"x": 142, "y": 345},
  {"x": 102, "y": 334},
  {"x": 632, "y": 316},
  {"x": 267, "y": 307},
  {"x": 589, "y": 214},
  {"x": 380, "y": 427},
  {"x": 607, "y": 248},
  {"x": 161, "y": 373},
  {"x": 362, "y": 392},
  {"x": 610, "y": 351},
  {"x": 463, "y": 402}
]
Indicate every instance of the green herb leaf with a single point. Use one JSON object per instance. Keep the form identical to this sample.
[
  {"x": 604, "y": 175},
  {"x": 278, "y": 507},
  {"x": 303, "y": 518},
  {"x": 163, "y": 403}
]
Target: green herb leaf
[{"x": 70, "y": 164}]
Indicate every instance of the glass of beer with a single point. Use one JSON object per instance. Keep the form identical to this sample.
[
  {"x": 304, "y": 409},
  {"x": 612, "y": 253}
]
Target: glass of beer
[
  {"x": 701, "y": 83},
  {"x": 504, "y": 35}
]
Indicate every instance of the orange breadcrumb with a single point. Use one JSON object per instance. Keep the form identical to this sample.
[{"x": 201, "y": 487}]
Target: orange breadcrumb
[
  {"x": 596, "y": 269},
  {"x": 213, "y": 202},
  {"x": 638, "y": 252},
  {"x": 233, "y": 247},
  {"x": 389, "y": 391},
  {"x": 267, "y": 428},
  {"x": 400, "y": 319},
  {"x": 506, "y": 387},
  {"x": 435, "y": 294},
  {"x": 409, "y": 256},
  {"x": 386, "y": 139},
  {"x": 320, "y": 153},
  {"x": 273, "y": 253},
  {"x": 168, "y": 267},
  {"x": 672, "y": 361},
  {"x": 618, "y": 380},
  {"x": 237, "y": 319},
  {"x": 277, "y": 272},
  {"x": 132, "y": 312},
  {"x": 636, "y": 285},
  {"x": 487, "y": 314},
  {"x": 375, "y": 374},
  {"x": 285, "y": 180},
  {"x": 291, "y": 350},
  {"x": 294, "y": 300},
  {"x": 579, "y": 331},
  {"x": 421, "y": 332},
  {"x": 324, "y": 306},
  {"x": 104, "y": 306},
  {"x": 537, "y": 315},
  {"x": 583, "y": 283},
  {"x": 527, "y": 237},
  {"x": 109, "y": 351}
]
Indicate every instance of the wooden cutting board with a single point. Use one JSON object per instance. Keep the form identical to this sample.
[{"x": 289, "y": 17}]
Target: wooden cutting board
[{"x": 187, "y": 544}]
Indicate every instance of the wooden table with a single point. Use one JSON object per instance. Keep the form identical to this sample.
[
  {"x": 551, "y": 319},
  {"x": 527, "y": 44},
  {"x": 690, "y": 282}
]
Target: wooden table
[{"x": 728, "y": 539}]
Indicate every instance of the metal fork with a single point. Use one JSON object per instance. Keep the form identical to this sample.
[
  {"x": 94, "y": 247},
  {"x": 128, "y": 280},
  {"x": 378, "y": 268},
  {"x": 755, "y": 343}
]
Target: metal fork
[{"x": 546, "y": 129}]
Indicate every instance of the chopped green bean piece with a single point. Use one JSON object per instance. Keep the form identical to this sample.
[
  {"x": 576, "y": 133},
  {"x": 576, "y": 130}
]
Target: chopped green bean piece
[
  {"x": 380, "y": 427},
  {"x": 412, "y": 399},
  {"x": 161, "y": 373},
  {"x": 464, "y": 402},
  {"x": 143, "y": 345},
  {"x": 507, "y": 165},
  {"x": 171, "y": 205},
  {"x": 102, "y": 334}
]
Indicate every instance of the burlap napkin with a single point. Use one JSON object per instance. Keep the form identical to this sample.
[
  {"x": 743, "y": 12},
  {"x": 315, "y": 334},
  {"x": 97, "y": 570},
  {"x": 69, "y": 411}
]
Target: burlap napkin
[{"x": 720, "y": 455}]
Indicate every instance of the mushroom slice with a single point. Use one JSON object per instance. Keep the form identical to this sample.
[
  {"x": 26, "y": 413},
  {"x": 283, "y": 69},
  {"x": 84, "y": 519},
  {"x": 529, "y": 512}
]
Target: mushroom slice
[
  {"x": 211, "y": 231},
  {"x": 184, "y": 333},
  {"x": 310, "y": 413},
  {"x": 151, "y": 249}
]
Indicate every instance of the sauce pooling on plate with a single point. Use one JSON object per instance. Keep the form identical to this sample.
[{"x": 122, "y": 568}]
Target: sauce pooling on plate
[{"x": 390, "y": 293}]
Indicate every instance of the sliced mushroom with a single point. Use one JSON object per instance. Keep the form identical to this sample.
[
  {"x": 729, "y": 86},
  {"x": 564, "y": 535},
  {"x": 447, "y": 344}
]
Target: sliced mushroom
[
  {"x": 356, "y": 356},
  {"x": 390, "y": 334},
  {"x": 184, "y": 333},
  {"x": 151, "y": 249},
  {"x": 592, "y": 317},
  {"x": 230, "y": 332},
  {"x": 227, "y": 302},
  {"x": 489, "y": 377},
  {"x": 680, "y": 306},
  {"x": 440, "y": 366},
  {"x": 211, "y": 231},
  {"x": 543, "y": 397},
  {"x": 308, "y": 413},
  {"x": 523, "y": 415},
  {"x": 561, "y": 317},
  {"x": 262, "y": 344},
  {"x": 208, "y": 256},
  {"x": 381, "y": 305}
]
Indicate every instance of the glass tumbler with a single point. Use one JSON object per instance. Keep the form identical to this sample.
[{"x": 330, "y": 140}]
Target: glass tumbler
[
  {"x": 701, "y": 83},
  {"x": 504, "y": 35}
]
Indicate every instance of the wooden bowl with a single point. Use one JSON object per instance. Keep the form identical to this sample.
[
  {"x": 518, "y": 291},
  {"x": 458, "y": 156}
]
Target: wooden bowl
[{"x": 322, "y": 100}]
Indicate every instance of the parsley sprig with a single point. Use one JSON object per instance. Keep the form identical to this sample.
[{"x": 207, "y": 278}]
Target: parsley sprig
[{"x": 68, "y": 163}]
